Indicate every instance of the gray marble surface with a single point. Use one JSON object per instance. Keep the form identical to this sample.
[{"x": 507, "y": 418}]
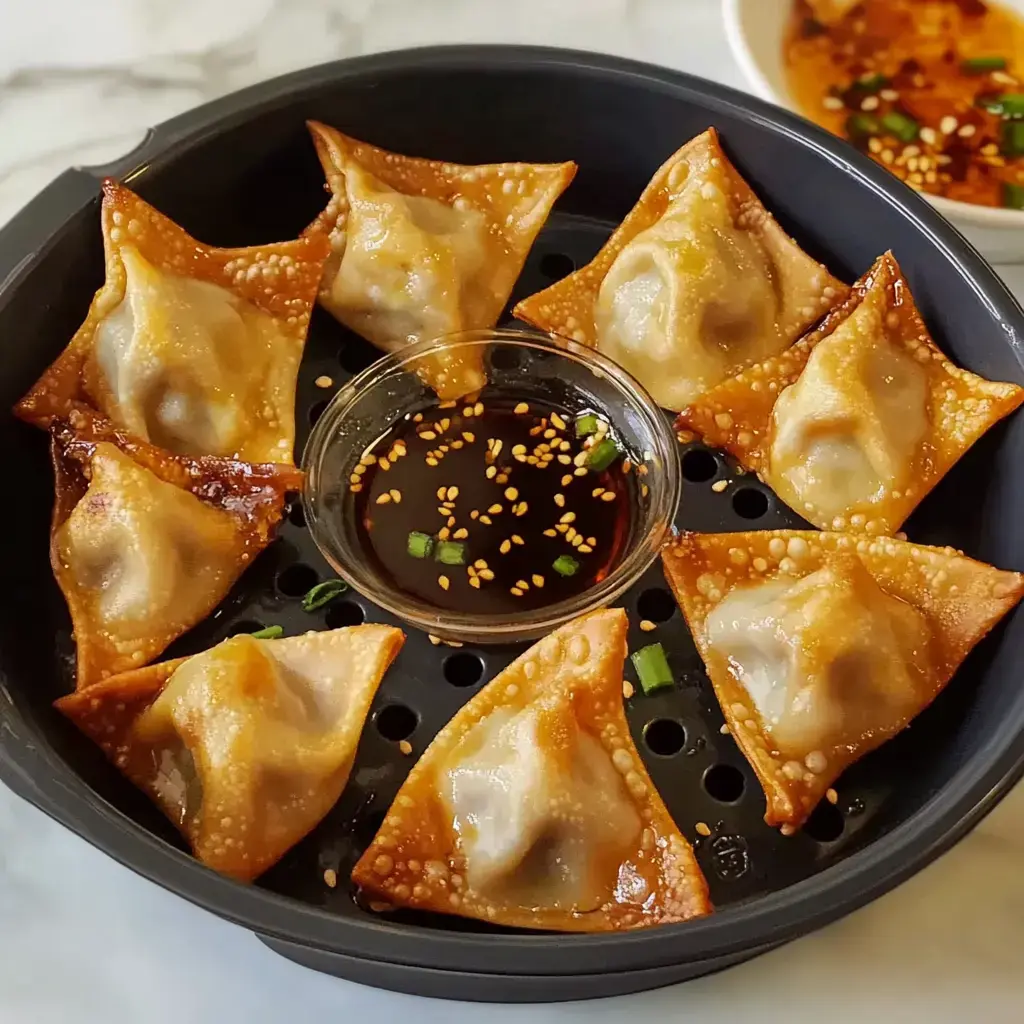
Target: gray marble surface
[{"x": 83, "y": 939}]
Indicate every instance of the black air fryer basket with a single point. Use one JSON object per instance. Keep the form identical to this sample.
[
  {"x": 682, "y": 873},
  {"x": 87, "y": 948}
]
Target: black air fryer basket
[{"x": 242, "y": 171}]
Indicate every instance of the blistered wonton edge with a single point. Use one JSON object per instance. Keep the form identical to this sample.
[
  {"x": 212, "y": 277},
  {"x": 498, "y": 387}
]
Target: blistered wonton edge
[
  {"x": 293, "y": 267},
  {"x": 702, "y": 568},
  {"x": 418, "y": 832},
  {"x": 736, "y": 415},
  {"x": 567, "y": 306}
]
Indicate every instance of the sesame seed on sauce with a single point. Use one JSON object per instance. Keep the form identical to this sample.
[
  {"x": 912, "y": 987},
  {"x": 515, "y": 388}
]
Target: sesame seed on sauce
[{"x": 473, "y": 529}]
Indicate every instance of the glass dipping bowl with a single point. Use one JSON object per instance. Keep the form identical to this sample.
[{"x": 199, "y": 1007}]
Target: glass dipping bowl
[{"x": 526, "y": 364}]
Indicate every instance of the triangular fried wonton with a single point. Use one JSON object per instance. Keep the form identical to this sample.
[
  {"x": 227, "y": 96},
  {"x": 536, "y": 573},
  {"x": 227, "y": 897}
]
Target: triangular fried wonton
[
  {"x": 822, "y": 646},
  {"x": 532, "y": 808},
  {"x": 697, "y": 282},
  {"x": 193, "y": 348},
  {"x": 424, "y": 248},
  {"x": 246, "y": 746},
  {"x": 145, "y": 544},
  {"x": 860, "y": 419}
]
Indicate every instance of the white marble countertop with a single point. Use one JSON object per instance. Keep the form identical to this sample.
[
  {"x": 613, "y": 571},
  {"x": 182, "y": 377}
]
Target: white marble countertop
[{"x": 83, "y": 939}]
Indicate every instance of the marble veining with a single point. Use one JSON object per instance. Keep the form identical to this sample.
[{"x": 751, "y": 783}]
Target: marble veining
[{"x": 83, "y": 939}]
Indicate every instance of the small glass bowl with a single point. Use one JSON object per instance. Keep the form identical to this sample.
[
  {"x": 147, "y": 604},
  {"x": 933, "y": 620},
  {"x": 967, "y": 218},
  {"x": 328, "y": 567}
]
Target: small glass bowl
[{"x": 523, "y": 363}]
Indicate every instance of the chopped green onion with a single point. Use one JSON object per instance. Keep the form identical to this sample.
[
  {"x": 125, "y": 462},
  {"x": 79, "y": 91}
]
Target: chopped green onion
[
  {"x": 979, "y": 65},
  {"x": 1012, "y": 138},
  {"x": 904, "y": 128},
  {"x": 450, "y": 552},
  {"x": 323, "y": 593},
  {"x": 420, "y": 544},
  {"x": 862, "y": 126},
  {"x": 1013, "y": 196},
  {"x": 565, "y": 565},
  {"x": 586, "y": 425},
  {"x": 1007, "y": 104},
  {"x": 871, "y": 83},
  {"x": 652, "y": 668},
  {"x": 602, "y": 455},
  {"x": 268, "y": 633}
]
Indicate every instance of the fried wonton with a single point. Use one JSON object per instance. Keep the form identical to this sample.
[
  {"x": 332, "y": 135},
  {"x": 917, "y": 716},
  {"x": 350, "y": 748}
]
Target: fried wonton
[
  {"x": 822, "y": 646},
  {"x": 192, "y": 348},
  {"x": 246, "y": 746},
  {"x": 859, "y": 420},
  {"x": 423, "y": 248},
  {"x": 532, "y": 808},
  {"x": 145, "y": 544},
  {"x": 697, "y": 282}
]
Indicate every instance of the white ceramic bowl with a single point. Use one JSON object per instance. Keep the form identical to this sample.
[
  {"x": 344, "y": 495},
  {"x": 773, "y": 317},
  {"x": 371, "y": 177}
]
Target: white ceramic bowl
[{"x": 755, "y": 30}]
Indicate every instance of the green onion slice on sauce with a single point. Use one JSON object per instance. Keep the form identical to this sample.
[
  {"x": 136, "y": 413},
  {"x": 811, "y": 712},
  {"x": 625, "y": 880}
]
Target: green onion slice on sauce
[
  {"x": 420, "y": 544},
  {"x": 1012, "y": 138},
  {"x": 565, "y": 565},
  {"x": 981, "y": 65},
  {"x": 1007, "y": 104},
  {"x": 602, "y": 455},
  {"x": 1013, "y": 196},
  {"x": 586, "y": 425},
  {"x": 903, "y": 127},
  {"x": 450, "y": 552}
]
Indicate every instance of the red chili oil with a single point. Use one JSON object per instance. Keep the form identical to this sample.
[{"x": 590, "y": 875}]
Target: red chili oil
[{"x": 503, "y": 486}]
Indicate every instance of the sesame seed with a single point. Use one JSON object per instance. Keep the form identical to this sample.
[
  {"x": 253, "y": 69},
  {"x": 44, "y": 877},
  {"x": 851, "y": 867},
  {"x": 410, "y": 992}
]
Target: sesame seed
[
  {"x": 550, "y": 533},
  {"x": 875, "y": 145},
  {"x": 444, "y": 533},
  {"x": 522, "y": 585},
  {"x": 538, "y": 580},
  {"x": 453, "y": 493},
  {"x": 435, "y": 640},
  {"x": 354, "y": 478},
  {"x": 948, "y": 124},
  {"x": 566, "y": 480},
  {"x": 383, "y": 499},
  {"x": 498, "y": 445},
  {"x": 461, "y": 533},
  {"x": 494, "y": 509},
  {"x": 428, "y": 435},
  {"x": 396, "y": 495},
  {"x": 501, "y": 478},
  {"x": 597, "y": 492},
  {"x": 584, "y": 549},
  {"x": 474, "y": 582},
  {"x": 560, "y": 500},
  {"x": 724, "y": 729},
  {"x": 468, "y": 411},
  {"x": 478, "y": 409},
  {"x": 480, "y": 564},
  {"x": 505, "y": 547},
  {"x": 557, "y": 421},
  {"x": 451, "y": 521},
  {"x": 889, "y": 95},
  {"x": 521, "y": 408},
  {"x": 647, "y": 626},
  {"x": 383, "y": 463},
  {"x": 443, "y": 582},
  {"x": 550, "y": 433},
  {"x": 569, "y": 517},
  {"x": 491, "y": 472},
  {"x": 719, "y": 485},
  {"x": 516, "y": 591},
  {"x": 468, "y": 436},
  {"x": 888, "y": 156},
  {"x": 418, "y": 418},
  {"x": 331, "y": 878},
  {"x": 869, "y": 103},
  {"x": 580, "y": 472},
  {"x": 323, "y": 381},
  {"x": 832, "y": 103},
  {"x": 487, "y": 574},
  {"x": 592, "y": 541},
  {"x": 511, "y": 493},
  {"x": 430, "y": 461},
  {"x": 516, "y": 539},
  {"x": 441, "y": 492},
  {"x": 520, "y": 509},
  {"x": 405, "y": 747},
  {"x": 565, "y": 460},
  {"x": 519, "y": 449},
  {"x": 486, "y": 520},
  {"x": 626, "y": 465},
  {"x": 610, "y": 495},
  {"x": 702, "y": 829},
  {"x": 355, "y": 488},
  {"x": 627, "y": 689},
  {"x": 444, "y": 424},
  {"x": 570, "y": 532},
  {"x": 831, "y": 796}
]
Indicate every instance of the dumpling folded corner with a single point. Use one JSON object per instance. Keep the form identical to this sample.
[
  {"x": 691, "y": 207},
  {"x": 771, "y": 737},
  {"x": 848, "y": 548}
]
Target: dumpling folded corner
[
  {"x": 822, "y": 646},
  {"x": 247, "y": 746},
  {"x": 192, "y": 348},
  {"x": 145, "y": 544},
  {"x": 425, "y": 248},
  {"x": 860, "y": 419},
  {"x": 532, "y": 808},
  {"x": 696, "y": 283}
]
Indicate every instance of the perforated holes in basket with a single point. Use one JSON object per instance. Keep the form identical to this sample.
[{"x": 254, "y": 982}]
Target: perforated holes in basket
[
  {"x": 396, "y": 722},
  {"x": 665, "y": 737},
  {"x": 316, "y": 410},
  {"x": 297, "y": 579},
  {"x": 656, "y": 605},
  {"x": 556, "y": 265},
  {"x": 463, "y": 669},
  {"x": 750, "y": 503},
  {"x": 698, "y": 465},
  {"x": 724, "y": 783},
  {"x": 826, "y": 823},
  {"x": 343, "y": 613}
]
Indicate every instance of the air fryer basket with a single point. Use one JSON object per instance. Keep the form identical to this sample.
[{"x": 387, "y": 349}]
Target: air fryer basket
[{"x": 242, "y": 171}]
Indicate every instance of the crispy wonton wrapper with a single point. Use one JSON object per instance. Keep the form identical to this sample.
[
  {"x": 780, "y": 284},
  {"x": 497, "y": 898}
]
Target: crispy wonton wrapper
[
  {"x": 193, "y": 348},
  {"x": 532, "y": 807},
  {"x": 424, "y": 248},
  {"x": 908, "y": 433},
  {"x": 145, "y": 544},
  {"x": 246, "y": 746},
  {"x": 822, "y": 646},
  {"x": 697, "y": 282}
]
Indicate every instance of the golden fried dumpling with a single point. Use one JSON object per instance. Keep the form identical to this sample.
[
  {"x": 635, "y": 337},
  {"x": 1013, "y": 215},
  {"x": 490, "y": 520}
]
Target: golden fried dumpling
[
  {"x": 822, "y": 646},
  {"x": 246, "y": 746},
  {"x": 697, "y": 282},
  {"x": 859, "y": 420},
  {"x": 192, "y": 348},
  {"x": 422, "y": 248},
  {"x": 145, "y": 544},
  {"x": 532, "y": 808}
]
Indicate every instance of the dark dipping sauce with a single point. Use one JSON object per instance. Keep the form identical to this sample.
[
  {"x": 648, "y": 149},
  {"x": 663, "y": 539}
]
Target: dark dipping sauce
[{"x": 501, "y": 479}]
